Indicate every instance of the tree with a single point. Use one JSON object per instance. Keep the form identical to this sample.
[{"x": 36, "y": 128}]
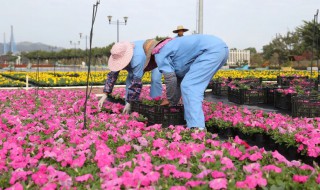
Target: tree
[
  {"x": 257, "y": 59},
  {"x": 274, "y": 60},
  {"x": 252, "y": 50},
  {"x": 309, "y": 35},
  {"x": 282, "y": 45}
]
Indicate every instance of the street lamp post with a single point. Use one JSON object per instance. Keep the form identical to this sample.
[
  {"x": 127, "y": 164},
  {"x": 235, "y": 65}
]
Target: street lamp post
[
  {"x": 118, "y": 23},
  {"x": 75, "y": 53},
  {"x": 86, "y": 38}
]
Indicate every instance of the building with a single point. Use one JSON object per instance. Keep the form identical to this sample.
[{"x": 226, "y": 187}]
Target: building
[
  {"x": 5, "y": 45},
  {"x": 11, "y": 47},
  {"x": 238, "y": 57}
]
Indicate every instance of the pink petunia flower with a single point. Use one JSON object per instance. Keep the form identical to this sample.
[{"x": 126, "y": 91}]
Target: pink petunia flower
[
  {"x": 251, "y": 168},
  {"x": 318, "y": 179},
  {"x": 16, "y": 186},
  {"x": 220, "y": 183},
  {"x": 178, "y": 188},
  {"x": 40, "y": 178},
  {"x": 194, "y": 183},
  {"x": 300, "y": 178},
  {"x": 272, "y": 168},
  {"x": 203, "y": 174},
  {"x": 216, "y": 174},
  {"x": 83, "y": 178},
  {"x": 49, "y": 186}
]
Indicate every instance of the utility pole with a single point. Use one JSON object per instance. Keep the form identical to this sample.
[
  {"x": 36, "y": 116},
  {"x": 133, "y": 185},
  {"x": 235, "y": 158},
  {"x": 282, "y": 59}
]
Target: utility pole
[{"x": 200, "y": 17}]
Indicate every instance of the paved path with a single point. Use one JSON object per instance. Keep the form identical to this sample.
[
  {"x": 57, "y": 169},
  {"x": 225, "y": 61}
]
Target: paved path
[{"x": 224, "y": 99}]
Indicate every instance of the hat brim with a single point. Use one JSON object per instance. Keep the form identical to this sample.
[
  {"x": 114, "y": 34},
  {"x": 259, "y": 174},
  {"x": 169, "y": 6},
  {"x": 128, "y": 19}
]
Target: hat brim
[
  {"x": 150, "y": 64},
  {"x": 184, "y": 30},
  {"x": 121, "y": 63}
]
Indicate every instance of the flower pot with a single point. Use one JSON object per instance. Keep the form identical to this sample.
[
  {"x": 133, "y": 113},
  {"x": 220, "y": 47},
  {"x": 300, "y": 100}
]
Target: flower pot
[
  {"x": 213, "y": 129},
  {"x": 239, "y": 133},
  {"x": 307, "y": 159},
  {"x": 259, "y": 139},
  {"x": 225, "y": 133},
  {"x": 290, "y": 153},
  {"x": 270, "y": 144}
]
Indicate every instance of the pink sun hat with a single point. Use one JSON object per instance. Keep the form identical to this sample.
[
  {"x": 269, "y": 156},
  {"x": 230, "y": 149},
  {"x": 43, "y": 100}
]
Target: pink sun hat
[{"x": 121, "y": 55}]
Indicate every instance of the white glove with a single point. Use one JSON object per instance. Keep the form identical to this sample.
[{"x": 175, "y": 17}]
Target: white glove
[
  {"x": 127, "y": 108},
  {"x": 101, "y": 101}
]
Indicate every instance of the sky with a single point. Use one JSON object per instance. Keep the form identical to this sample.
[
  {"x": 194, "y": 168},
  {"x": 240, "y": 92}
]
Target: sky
[{"x": 240, "y": 23}]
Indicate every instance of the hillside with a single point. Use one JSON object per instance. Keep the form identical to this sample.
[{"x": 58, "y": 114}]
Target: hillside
[{"x": 29, "y": 46}]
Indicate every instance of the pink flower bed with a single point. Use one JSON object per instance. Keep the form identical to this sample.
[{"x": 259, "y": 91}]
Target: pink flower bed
[
  {"x": 303, "y": 133},
  {"x": 44, "y": 146}
]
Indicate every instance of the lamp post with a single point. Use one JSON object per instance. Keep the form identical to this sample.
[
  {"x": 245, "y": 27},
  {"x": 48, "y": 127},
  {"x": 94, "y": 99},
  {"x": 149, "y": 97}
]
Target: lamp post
[
  {"x": 86, "y": 38},
  {"x": 75, "y": 53},
  {"x": 118, "y": 23}
]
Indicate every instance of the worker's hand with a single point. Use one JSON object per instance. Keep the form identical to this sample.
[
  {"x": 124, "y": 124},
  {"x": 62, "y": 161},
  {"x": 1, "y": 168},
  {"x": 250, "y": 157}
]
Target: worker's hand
[
  {"x": 164, "y": 102},
  {"x": 101, "y": 101},
  {"x": 127, "y": 108}
]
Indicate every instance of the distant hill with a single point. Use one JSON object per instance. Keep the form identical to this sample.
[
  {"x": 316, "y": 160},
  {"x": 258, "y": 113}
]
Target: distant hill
[{"x": 29, "y": 46}]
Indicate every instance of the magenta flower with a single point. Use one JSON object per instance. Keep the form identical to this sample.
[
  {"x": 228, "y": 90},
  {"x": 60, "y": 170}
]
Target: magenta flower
[
  {"x": 216, "y": 174},
  {"x": 220, "y": 183},
  {"x": 306, "y": 167},
  {"x": 176, "y": 137},
  {"x": 255, "y": 156},
  {"x": 178, "y": 188},
  {"x": 227, "y": 163},
  {"x": 19, "y": 174},
  {"x": 272, "y": 168},
  {"x": 153, "y": 176},
  {"x": 194, "y": 183},
  {"x": 114, "y": 183},
  {"x": 40, "y": 178},
  {"x": 49, "y": 186},
  {"x": 300, "y": 178},
  {"x": 203, "y": 174},
  {"x": 168, "y": 169},
  {"x": 83, "y": 178},
  {"x": 251, "y": 168},
  {"x": 179, "y": 174},
  {"x": 143, "y": 141},
  {"x": 159, "y": 143},
  {"x": 318, "y": 179},
  {"x": 198, "y": 135},
  {"x": 16, "y": 186},
  {"x": 78, "y": 162},
  {"x": 252, "y": 181}
]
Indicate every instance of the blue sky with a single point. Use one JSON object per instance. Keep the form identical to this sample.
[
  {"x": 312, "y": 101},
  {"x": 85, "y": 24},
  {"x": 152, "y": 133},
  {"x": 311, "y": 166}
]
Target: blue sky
[{"x": 242, "y": 24}]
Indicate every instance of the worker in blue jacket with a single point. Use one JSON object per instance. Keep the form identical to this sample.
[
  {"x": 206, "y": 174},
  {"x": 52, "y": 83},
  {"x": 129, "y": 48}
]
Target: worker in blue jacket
[
  {"x": 190, "y": 63},
  {"x": 131, "y": 57}
]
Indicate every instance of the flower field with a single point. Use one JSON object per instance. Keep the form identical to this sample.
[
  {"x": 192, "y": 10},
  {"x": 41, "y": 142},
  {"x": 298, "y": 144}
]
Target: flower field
[
  {"x": 51, "y": 79},
  {"x": 45, "y": 146},
  {"x": 10, "y": 83}
]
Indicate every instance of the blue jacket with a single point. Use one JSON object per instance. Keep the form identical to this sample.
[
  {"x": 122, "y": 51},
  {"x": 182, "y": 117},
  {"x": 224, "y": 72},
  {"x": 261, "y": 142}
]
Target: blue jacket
[{"x": 178, "y": 54}]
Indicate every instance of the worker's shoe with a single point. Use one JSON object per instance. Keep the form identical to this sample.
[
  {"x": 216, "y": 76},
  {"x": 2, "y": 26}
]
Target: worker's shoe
[{"x": 199, "y": 129}]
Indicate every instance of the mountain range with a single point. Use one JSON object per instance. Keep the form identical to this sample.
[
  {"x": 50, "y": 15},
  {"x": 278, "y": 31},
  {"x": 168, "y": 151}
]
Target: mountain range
[{"x": 29, "y": 46}]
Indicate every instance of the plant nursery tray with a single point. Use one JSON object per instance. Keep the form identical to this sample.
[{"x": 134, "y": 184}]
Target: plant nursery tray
[
  {"x": 283, "y": 101},
  {"x": 268, "y": 95},
  {"x": 116, "y": 100},
  {"x": 246, "y": 96},
  {"x": 156, "y": 114},
  {"x": 306, "y": 106},
  {"x": 219, "y": 89},
  {"x": 285, "y": 80}
]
